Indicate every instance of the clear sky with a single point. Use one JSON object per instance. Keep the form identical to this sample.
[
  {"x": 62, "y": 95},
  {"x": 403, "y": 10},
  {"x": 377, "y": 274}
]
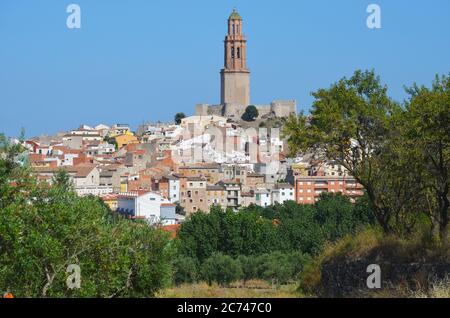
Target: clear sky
[{"x": 141, "y": 60}]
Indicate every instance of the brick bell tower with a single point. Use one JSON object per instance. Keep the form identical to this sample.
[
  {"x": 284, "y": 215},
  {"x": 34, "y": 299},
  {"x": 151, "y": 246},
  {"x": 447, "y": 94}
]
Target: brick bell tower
[{"x": 235, "y": 77}]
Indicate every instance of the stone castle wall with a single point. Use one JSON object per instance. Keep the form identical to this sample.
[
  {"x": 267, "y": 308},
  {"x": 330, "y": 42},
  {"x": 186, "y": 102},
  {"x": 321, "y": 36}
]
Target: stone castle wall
[
  {"x": 279, "y": 108},
  {"x": 283, "y": 108}
]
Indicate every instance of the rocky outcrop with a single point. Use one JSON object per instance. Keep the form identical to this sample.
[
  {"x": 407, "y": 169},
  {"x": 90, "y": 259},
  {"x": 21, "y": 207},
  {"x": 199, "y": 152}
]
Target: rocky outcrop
[{"x": 349, "y": 278}]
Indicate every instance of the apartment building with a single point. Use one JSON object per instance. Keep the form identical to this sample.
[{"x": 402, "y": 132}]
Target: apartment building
[
  {"x": 309, "y": 188},
  {"x": 233, "y": 192}
]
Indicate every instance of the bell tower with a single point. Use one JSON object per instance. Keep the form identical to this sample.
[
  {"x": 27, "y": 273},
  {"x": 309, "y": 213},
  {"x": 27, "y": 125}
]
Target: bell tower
[{"x": 235, "y": 77}]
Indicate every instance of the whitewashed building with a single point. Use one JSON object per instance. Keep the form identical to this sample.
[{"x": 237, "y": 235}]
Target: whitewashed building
[
  {"x": 283, "y": 192},
  {"x": 149, "y": 206},
  {"x": 263, "y": 197},
  {"x": 174, "y": 189}
]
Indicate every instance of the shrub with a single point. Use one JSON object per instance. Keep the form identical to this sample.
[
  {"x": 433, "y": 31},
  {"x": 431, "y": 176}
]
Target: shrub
[
  {"x": 249, "y": 265},
  {"x": 221, "y": 269},
  {"x": 185, "y": 270}
]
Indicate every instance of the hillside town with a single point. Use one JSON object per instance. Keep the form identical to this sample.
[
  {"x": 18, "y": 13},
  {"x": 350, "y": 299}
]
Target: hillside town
[
  {"x": 165, "y": 172},
  {"x": 221, "y": 156}
]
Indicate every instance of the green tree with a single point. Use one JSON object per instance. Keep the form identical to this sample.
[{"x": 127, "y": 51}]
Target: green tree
[
  {"x": 276, "y": 267},
  {"x": 221, "y": 269},
  {"x": 199, "y": 236},
  {"x": 352, "y": 123},
  {"x": 427, "y": 129},
  {"x": 334, "y": 212},
  {"x": 179, "y": 117},
  {"x": 111, "y": 141},
  {"x": 185, "y": 270},
  {"x": 249, "y": 267},
  {"x": 62, "y": 181},
  {"x": 250, "y": 114},
  {"x": 43, "y": 230}
]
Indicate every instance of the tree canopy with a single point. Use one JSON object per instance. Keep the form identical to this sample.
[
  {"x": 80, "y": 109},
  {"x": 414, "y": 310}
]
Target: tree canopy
[
  {"x": 250, "y": 114},
  {"x": 398, "y": 152},
  {"x": 178, "y": 117}
]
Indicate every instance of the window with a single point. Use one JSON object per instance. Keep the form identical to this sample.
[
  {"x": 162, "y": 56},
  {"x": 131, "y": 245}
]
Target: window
[
  {"x": 238, "y": 52},
  {"x": 232, "y": 52}
]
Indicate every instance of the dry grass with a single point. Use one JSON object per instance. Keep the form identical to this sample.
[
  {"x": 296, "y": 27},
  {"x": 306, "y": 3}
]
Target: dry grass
[
  {"x": 416, "y": 248},
  {"x": 439, "y": 289},
  {"x": 252, "y": 289}
]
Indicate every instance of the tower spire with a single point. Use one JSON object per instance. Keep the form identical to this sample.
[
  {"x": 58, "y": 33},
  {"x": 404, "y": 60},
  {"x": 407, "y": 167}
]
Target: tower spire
[{"x": 235, "y": 77}]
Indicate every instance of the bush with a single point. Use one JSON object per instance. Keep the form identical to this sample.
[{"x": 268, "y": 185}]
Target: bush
[
  {"x": 221, "y": 269},
  {"x": 249, "y": 265},
  {"x": 185, "y": 270},
  {"x": 281, "y": 268}
]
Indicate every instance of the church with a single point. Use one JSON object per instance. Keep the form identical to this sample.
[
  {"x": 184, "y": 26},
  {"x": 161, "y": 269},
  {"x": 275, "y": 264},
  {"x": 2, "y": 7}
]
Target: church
[{"x": 235, "y": 80}]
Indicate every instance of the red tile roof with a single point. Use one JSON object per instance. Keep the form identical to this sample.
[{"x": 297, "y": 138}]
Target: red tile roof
[{"x": 172, "y": 229}]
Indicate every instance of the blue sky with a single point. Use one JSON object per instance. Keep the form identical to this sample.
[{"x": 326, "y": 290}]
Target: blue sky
[{"x": 140, "y": 60}]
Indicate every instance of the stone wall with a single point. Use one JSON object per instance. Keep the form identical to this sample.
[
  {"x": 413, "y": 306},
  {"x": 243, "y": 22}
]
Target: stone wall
[
  {"x": 278, "y": 108},
  {"x": 283, "y": 108},
  {"x": 206, "y": 109},
  {"x": 349, "y": 278}
]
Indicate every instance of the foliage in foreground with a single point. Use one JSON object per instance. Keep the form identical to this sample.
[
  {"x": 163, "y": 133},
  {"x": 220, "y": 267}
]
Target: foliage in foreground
[{"x": 44, "y": 229}]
